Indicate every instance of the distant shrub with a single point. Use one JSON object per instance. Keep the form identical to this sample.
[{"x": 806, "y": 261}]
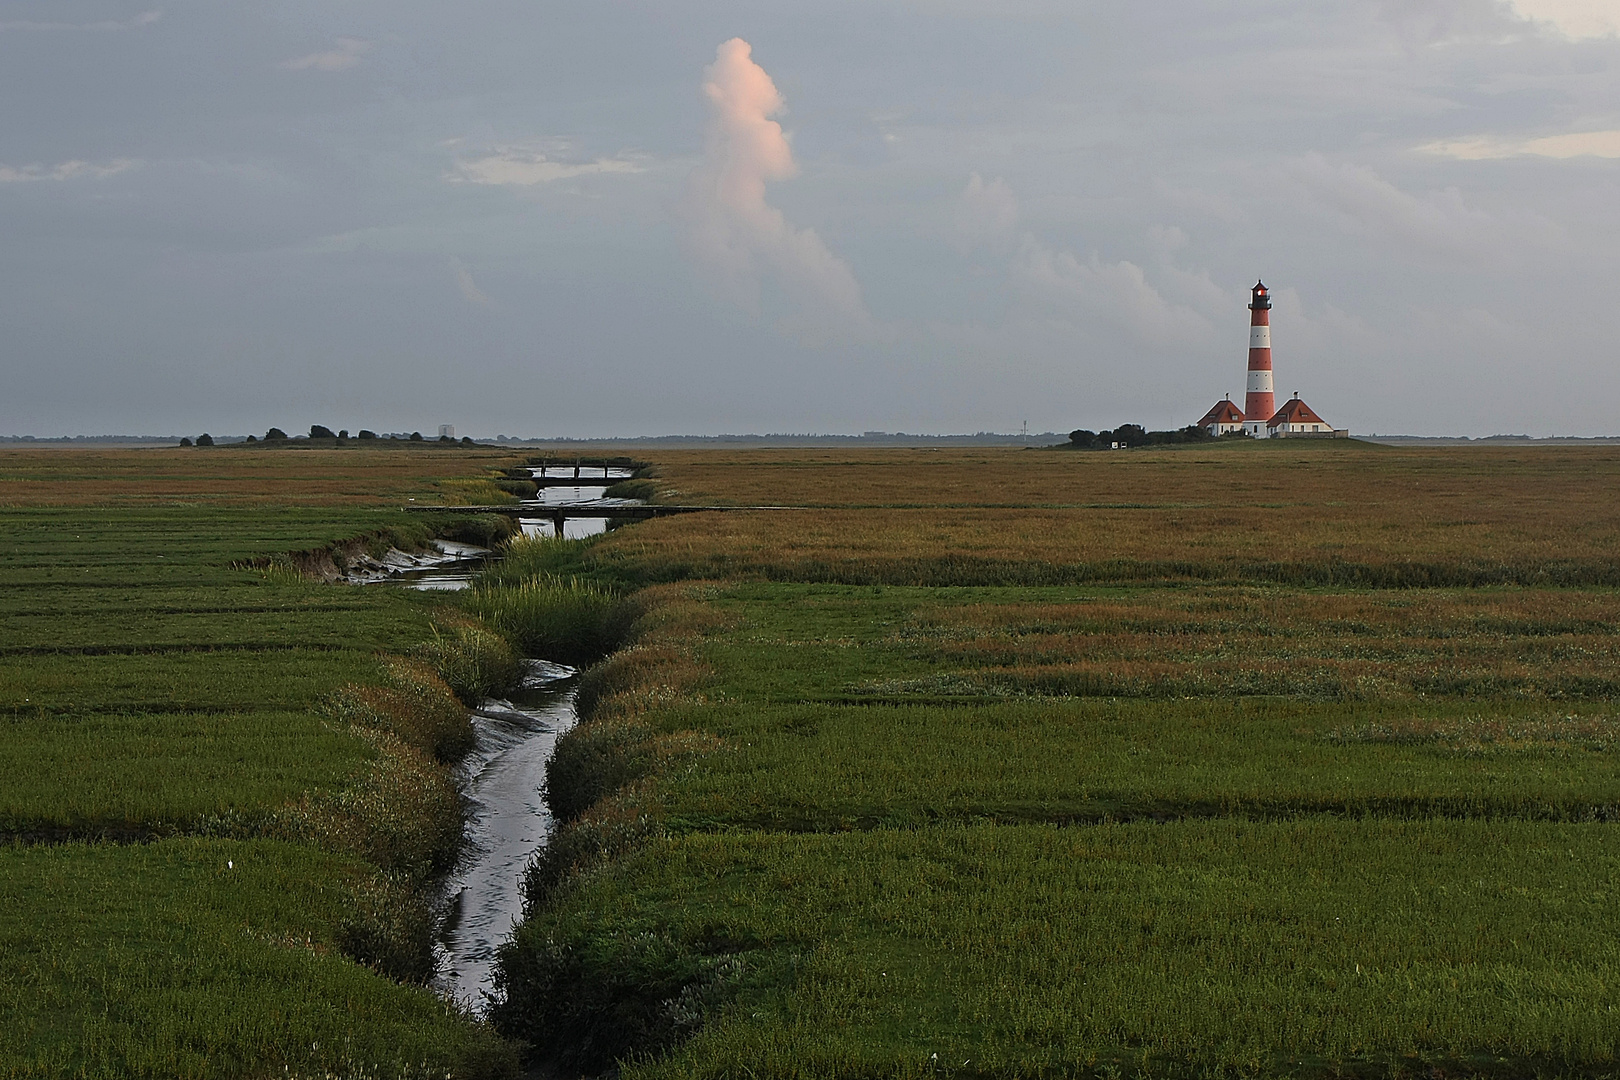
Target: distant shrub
[
  {"x": 366, "y": 434},
  {"x": 185, "y": 442},
  {"x": 343, "y": 433},
  {"x": 416, "y": 436},
  {"x": 205, "y": 439},
  {"x": 321, "y": 431},
  {"x": 251, "y": 438},
  {"x": 274, "y": 434},
  {"x": 1136, "y": 435},
  {"x": 466, "y": 440}
]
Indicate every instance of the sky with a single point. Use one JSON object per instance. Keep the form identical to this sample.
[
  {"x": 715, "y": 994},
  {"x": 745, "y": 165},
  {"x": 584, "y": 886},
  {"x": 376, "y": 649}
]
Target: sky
[{"x": 931, "y": 216}]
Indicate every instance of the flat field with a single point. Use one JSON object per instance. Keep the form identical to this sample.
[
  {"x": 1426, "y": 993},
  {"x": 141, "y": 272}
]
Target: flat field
[
  {"x": 1330, "y": 512},
  {"x": 161, "y": 702},
  {"x": 1260, "y": 760}
]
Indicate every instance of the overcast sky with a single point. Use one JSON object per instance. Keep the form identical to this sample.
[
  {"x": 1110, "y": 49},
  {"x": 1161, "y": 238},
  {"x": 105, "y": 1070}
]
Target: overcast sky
[{"x": 547, "y": 218}]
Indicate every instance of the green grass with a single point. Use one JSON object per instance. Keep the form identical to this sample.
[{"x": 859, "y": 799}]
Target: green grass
[
  {"x": 798, "y": 767},
  {"x": 1193, "y": 948},
  {"x": 545, "y": 611},
  {"x": 166, "y": 684},
  {"x": 155, "y": 687},
  {"x": 203, "y": 958},
  {"x": 843, "y": 707},
  {"x": 1020, "y": 831},
  {"x": 141, "y": 772}
]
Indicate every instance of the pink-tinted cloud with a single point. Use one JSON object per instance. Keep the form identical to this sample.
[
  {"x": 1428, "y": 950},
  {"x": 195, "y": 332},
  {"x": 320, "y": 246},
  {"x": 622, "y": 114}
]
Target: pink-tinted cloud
[{"x": 735, "y": 234}]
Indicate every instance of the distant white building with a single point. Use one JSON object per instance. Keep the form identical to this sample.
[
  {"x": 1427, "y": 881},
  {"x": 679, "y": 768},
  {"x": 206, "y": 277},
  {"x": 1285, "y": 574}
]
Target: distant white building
[
  {"x": 447, "y": 431},
  {"x": 1298, "y": 418},
  {"x": 1223, "y": 419}
]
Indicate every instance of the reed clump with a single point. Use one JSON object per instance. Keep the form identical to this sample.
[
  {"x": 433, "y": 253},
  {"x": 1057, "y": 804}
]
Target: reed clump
[
  {"x": 637, "y": 488},
  {"x": 605, "y": 998},
  {"x": 524, "y": 557},
  {"x": 485, "y": 530},
  {"x": 481, "y": 492},
  {"x": 521, "y": 488},
  {"x": 615, "y": 744},
  {"x": 473, "y": 660},
  {"x": 389, "y": 927},
  {"x": 564, "y": 619}
]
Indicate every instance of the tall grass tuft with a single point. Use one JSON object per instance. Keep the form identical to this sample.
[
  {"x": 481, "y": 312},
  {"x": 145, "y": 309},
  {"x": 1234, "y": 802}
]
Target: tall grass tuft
[
  {"x": 474, "y": 661},
  {"x": 525, "y": 557},
  {"x": 563, "y": 619},
  {"x": 635, "y": 488}
]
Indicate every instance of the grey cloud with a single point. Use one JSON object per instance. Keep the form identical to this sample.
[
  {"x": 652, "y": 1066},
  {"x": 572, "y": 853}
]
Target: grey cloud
[
  {"x": 1575, "y": 144},
  {"x": 66, "y": 170},
  {"x": 345, "y": 56},
  {"x": 145, "y": 18},
  {"x": 468, "y": 287},
  {"x": 521, "y": 165},
  {"x": 985, "y": 212}
]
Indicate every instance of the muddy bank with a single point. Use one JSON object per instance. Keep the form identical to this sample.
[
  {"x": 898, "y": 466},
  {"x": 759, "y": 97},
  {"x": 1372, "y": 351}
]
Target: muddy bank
[{"x": 445, "y": 565}]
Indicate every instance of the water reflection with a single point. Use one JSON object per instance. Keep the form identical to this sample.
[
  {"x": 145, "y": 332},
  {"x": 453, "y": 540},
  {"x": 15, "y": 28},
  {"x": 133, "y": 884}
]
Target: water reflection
[
  {"x": 553, "y": 493},
  {"x": 508, "y": 822}
]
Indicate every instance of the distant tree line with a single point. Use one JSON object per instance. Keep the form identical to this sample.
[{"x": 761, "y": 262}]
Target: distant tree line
[
  {"x": 321, "y": 431},
  {"x": 1135, "y": 435}
]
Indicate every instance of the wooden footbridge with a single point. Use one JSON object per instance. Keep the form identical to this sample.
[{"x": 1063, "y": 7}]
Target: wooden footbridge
[{"x": 557, "y": 513}]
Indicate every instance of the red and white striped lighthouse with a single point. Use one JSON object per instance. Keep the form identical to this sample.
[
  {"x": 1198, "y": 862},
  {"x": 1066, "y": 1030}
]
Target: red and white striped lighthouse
[{"x": 1258, "y": 402}]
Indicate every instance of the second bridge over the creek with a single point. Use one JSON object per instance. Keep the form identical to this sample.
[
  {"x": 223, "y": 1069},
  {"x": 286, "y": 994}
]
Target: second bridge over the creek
[{"x": 558, "y": 513}]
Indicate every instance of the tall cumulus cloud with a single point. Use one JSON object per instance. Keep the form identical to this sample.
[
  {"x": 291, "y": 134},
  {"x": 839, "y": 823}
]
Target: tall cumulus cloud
[{"x": 735, "y": 234}]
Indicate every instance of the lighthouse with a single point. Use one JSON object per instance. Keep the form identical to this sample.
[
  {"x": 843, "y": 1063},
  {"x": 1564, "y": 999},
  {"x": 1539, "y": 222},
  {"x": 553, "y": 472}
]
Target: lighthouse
[
  {"x": 1259, "y": 404},
  {"x": 1260, "y": 418}
]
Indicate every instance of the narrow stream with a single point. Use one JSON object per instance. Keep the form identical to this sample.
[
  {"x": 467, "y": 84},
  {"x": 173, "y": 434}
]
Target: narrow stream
[
  {"x": 503, "y": 777},
  {"x": 507, "y": 822}
]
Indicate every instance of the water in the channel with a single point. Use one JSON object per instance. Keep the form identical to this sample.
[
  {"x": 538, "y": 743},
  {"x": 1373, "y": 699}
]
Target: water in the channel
[
  {"x": 562, "y": 485},
  {"x": 503, "y": 779}
]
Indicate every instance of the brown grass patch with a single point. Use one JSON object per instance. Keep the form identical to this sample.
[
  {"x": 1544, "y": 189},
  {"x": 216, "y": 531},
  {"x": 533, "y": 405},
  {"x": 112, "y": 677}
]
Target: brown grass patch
[
  {"x": 1491, "y": 734},
  {"x": 1467, "y": 516},
  {"x": 1221, "y": 641},
  {"x": 227, "y": 476}
]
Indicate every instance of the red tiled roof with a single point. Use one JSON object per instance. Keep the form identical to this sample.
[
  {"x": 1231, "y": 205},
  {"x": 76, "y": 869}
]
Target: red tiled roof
[
  {"x": 1295, "y": 411},
  {"x": 1224, "y": 412}
]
